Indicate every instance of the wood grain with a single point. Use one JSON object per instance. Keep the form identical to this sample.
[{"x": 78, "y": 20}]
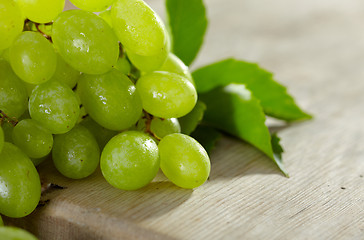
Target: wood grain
[{"x": 316, "y": 48}]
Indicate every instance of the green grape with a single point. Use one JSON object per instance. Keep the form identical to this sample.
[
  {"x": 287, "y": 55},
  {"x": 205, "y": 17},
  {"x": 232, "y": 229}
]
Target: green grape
[
  {"x": 76, "y": 154},
  {"x": 123, "y": 65},
  {"x": 33, "y": 58},
  {"x": 11, "y": 22},
  {"x": 106, "y": 15},
  {"x": 65, "y": 73},
  {"x": 148, "y": 63},
  {"x": 175, "y": 65},
  {"x": 166, "y": 95},
  {"x": 41, "y": 11},
  {"x": 138, "y": 27},
  {"x": 111, "y": 99},
  {"x": 13, "y": 233},
  {"x": 32, "y": 138},
  {"x": 55, "y": 106},
  {"x": 101, "y": 134},
  {"x": 8, "y": 131},
  {"x": 130, "y": 160},
  {"x": 19, "y": 183},
  {"x": 160, "y": 127},
  {"x": 183, "y": 160},
  {"x": 2, "y": 138},
  {"x": 29, "y": 87},
  {"x": 5, "y": 55},
  {"x": 13, "y": 94},
  {"x": 37, "y": 161},
  {"x": 92, "y": 5},
  {"x": 85, "y": 41}
]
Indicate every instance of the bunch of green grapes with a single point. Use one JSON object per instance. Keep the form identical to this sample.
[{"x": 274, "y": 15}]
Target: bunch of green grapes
[{"x": 84, "y": 91}]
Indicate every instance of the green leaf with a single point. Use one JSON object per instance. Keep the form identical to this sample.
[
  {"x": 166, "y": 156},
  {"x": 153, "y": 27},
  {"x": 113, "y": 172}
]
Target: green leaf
[
  {"x": 190, "y": 121},
  {"x": 207, "y": 136},
  {"x": 273, "y": 97},
  {"x": 187, "y": 24},
  {"x": 277, "y": 152},
  {"x": 235, "y": 110}
]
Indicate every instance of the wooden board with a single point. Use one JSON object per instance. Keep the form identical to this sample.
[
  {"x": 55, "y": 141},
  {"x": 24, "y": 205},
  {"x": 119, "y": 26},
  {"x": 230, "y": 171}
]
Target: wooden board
[{"x": 316, "y": 48}]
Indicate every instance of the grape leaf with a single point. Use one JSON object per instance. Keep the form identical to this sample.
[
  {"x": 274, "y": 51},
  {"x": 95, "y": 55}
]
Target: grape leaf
[
  {"x": 207, "y": 136},
  {"x": 187, "y": 24},
  {"x": 190, "y": 121},
  {"x": 235, "y": 110},
  {"x": 273, "y": 97}
]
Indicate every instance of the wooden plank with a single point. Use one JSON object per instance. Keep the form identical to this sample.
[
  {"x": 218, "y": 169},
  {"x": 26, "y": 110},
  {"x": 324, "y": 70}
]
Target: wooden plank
[{"x": 316, "y": 48}]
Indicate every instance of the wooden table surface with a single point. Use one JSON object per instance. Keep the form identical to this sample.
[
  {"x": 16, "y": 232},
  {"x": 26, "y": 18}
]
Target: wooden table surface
[{"x": 316, "y": 48}]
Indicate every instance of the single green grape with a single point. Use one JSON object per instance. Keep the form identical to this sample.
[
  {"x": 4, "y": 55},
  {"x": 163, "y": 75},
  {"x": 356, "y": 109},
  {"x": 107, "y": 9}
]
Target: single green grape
[
  {"x": 55, "y": 106},
  {"x": 11, "y": 22},
  {"x": 19, "y": 183},
  {"x": 13, "y": 94},
  {"x": 175, "y": 65},
  {"x": 106, "y": 15},
  {"x": 13, "y": 233},
  {"x": 130, "y": 160},
  {"x": 101, "y": 134},
  {"x": 33, "y": 58},
  {"x": 138, "y": 27},
  {"x": 2, "y": 138},
  {"x": 37, "y": 161},
  {"x": 76, "y": 153},
  {"x": 65, "y": 73},
  {"x": 92, "y": 5},
  {"x": 32, "y": 138},
  {"x": 166, "y": 95},
  {"x": 123, "y": 65},
  {"x": 8, "y": 131},
  {"x": 183, "y": 160},
  {"x": 85, "y": 41},
  {"x": 160, "y": 127},
  {"x": 41, "y": 11},
  {"x": 148, "y": 63},
  {"x": 111, "y": 99}
]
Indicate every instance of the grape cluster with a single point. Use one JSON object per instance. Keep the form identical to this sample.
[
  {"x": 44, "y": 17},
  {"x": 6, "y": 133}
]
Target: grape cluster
[{"x": 91, "y": 90}]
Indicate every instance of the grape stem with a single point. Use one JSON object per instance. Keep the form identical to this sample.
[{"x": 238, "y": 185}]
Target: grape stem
[
  {"x": 44, "y": 34},
  {"x": 149, "y": 117},
  {"x": 3, "y": 117}
]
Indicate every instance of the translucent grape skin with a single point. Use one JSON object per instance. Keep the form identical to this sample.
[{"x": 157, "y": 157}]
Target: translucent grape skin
[
  {"x": 65, "y": 73},
  {"x": 19, "y": 183},
  {"x": 148, "y": 63},
  {"x": 13, "y": 95},
  {"x": 106, "y": 15},
  {"x": 183, "y": 160},
  {"x": 2, "y": 138},
  {"x": 138, "y": 27},
  {"x": 85, "y": 41},
  {"x": 123, "y": 65},
  {"x": 175, "y": 65},
  {"x": 101, "y": 134},
  {"x": 160, "y": 127},
  {"x": 92, "y": 5},
  {"x": 11, "y": 23},
  {"x": 33, "y": 58},
  {"x": 130, "y": 160},
  {"x": 76, "y": 153},
  {"x": 32, "y": 138},
  {"x": 110, "y": 99},
  {"x": 166, "y": 95},
  {"x": 41, "y": 11},
  {"x": 13, "y": 233},
  {"x": 55, "y": 106}
]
